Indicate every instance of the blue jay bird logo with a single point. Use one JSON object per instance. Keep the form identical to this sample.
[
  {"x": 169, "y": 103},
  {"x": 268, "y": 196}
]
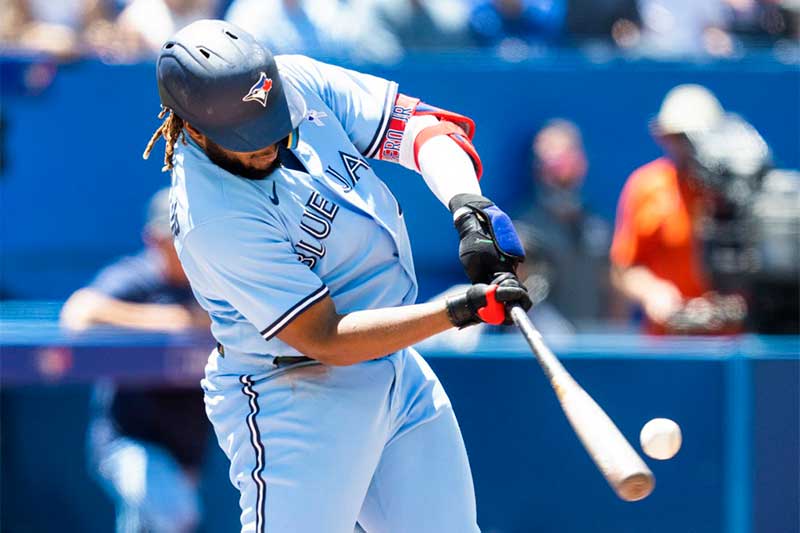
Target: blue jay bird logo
[{"x": 260, "y": 91}]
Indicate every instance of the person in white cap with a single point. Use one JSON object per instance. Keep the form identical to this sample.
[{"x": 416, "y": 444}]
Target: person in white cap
[{"x": 655, "y": 258}]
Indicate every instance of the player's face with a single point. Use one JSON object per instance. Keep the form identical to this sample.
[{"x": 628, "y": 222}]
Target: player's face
[
  {"x": 252, "y": 165},
  {"x": 561, "y": 160},
  {"x": 678, "y": 149}
]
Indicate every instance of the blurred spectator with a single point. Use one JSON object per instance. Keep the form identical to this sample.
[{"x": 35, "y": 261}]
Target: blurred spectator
[
  {"x": 284, "y": 26},
  {"x": 146, "y": 443},
  {"x": 380, "y": 30},
  {"x": 785, "y": 23},
  {"x": 339, "y": 28},
  {"x": 567, "y": 245},
  {"x": 154, "y": 21},
  {"x": 745, "y": 15},
  {"x": 657, "y": 261},
  {"x": 504, "y": 22},
  {"x": 426, "y": 24},
  {"x": 762, "y": 22},
  {"x": 749, "y": 233},
  {"x": 54, "y": 28},
  {"x": 790, "y": 13},
  {"x": 144, "y": 25},
  {"x": 686, "y": 27},
  {"x": 604, "y": 19}
]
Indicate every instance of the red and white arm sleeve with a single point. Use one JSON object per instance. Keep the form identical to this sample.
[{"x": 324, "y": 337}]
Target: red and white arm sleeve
[{"x": 436, "y": 143}]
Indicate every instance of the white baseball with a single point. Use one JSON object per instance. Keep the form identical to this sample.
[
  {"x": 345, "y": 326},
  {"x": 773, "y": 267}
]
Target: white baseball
[{"x": 661, "y": 438}]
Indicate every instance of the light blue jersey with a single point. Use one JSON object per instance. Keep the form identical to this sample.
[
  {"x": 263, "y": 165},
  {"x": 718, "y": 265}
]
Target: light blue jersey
[
  {"x": 315, "y": 448},
  {"x": 335, "y": 229}
]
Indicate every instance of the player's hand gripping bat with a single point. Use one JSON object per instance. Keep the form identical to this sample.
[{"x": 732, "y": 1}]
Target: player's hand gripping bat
[{"x": 622, "y": 467}]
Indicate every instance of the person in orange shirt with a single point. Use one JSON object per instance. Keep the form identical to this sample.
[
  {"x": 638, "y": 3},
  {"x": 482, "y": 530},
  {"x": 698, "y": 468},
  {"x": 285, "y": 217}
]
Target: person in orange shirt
[{"x": 655, "y": 255}]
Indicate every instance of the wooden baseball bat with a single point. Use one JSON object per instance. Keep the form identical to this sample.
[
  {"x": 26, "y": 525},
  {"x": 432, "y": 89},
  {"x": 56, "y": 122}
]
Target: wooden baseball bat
[{"x": 619, "y": 463}]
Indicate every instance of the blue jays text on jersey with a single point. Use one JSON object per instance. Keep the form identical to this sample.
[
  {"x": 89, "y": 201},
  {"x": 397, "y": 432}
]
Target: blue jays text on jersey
[{"x": 318, "y": 216}]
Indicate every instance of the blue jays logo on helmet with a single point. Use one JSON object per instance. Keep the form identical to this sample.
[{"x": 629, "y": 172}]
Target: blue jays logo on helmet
[{"x": 260, "y": 91}]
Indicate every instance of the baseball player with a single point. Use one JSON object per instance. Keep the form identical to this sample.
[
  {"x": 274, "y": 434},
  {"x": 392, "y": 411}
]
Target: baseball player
[
  {"x": 300, "y": 255},
  {"x": 146, "y": 443}
]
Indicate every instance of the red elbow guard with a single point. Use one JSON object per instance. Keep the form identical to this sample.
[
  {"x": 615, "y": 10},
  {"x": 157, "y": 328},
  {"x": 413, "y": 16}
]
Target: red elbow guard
[
  {"x": 458, "y": 127},
  {"x": 455, "y": 132},
  {"x": 465, "y": 123}
]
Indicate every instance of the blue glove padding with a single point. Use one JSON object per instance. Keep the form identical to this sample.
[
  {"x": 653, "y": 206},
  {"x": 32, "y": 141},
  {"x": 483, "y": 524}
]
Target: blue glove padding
[{"x": 489, "y": 243}]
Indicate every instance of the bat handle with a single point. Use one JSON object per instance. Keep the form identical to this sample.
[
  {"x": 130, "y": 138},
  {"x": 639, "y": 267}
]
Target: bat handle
[
  {"x": 521, "y": 319},
  {"x": 547, "y": 359}
]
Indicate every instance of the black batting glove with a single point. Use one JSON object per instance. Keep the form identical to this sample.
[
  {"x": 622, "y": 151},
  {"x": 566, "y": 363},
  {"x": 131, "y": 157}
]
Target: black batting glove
[
  {"x": 488, "y": 303},
  {"x": 489, "y": 243}
]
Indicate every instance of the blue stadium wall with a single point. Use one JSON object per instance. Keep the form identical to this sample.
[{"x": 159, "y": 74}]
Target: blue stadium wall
[
  {"x": 737, "y": 402},
  {"x": 73, "y": 182}
]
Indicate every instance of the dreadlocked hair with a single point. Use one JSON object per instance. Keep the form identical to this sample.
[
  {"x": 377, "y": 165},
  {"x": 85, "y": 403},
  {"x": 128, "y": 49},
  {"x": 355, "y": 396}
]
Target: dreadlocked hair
[{"x": 171, "y": 130}]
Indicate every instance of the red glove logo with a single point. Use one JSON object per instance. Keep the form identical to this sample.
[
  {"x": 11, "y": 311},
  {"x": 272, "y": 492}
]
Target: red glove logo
[{"x": 493, "y": 312}]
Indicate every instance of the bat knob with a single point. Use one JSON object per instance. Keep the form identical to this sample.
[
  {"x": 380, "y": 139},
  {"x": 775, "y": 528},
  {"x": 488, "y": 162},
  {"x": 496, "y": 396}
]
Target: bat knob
[{"x": 636, "y": 487}]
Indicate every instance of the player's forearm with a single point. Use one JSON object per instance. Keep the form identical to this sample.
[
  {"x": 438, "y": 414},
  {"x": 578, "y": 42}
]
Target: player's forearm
[
  {"x": 152, "y": 317},
  {"x": 370, "y": 334},
  {"x": 447, "y": 169},
  {"x": 444, "y": 165},
  {"x": 659, "y": 298},
  {"x": 88, "y": 308},
  {"x": 364, "y": 335},
  {"x": 633, "y": 282}
]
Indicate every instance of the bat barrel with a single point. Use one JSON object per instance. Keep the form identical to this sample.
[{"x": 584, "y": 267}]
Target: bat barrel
[{"x": 616, "y": 459}]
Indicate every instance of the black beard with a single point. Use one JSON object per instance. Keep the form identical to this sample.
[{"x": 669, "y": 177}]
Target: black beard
[{"x": 219, "y": 158}]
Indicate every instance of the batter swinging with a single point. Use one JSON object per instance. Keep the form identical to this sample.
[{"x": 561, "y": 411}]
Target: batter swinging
[{"x": 300, "y": 255}]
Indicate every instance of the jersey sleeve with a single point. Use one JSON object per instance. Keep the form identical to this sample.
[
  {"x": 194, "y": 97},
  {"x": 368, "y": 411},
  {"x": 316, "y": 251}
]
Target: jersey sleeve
[
  {"x": 361, "y": 102},
  {"x": 252, "y": 266}
]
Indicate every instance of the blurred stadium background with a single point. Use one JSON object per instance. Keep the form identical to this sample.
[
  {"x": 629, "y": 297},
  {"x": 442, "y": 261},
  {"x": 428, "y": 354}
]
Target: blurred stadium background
[{"x": 79, "y": 103}]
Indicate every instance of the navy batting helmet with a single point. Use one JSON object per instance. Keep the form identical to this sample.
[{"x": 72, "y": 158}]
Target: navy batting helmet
[{"x": 218, "y": 78}]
